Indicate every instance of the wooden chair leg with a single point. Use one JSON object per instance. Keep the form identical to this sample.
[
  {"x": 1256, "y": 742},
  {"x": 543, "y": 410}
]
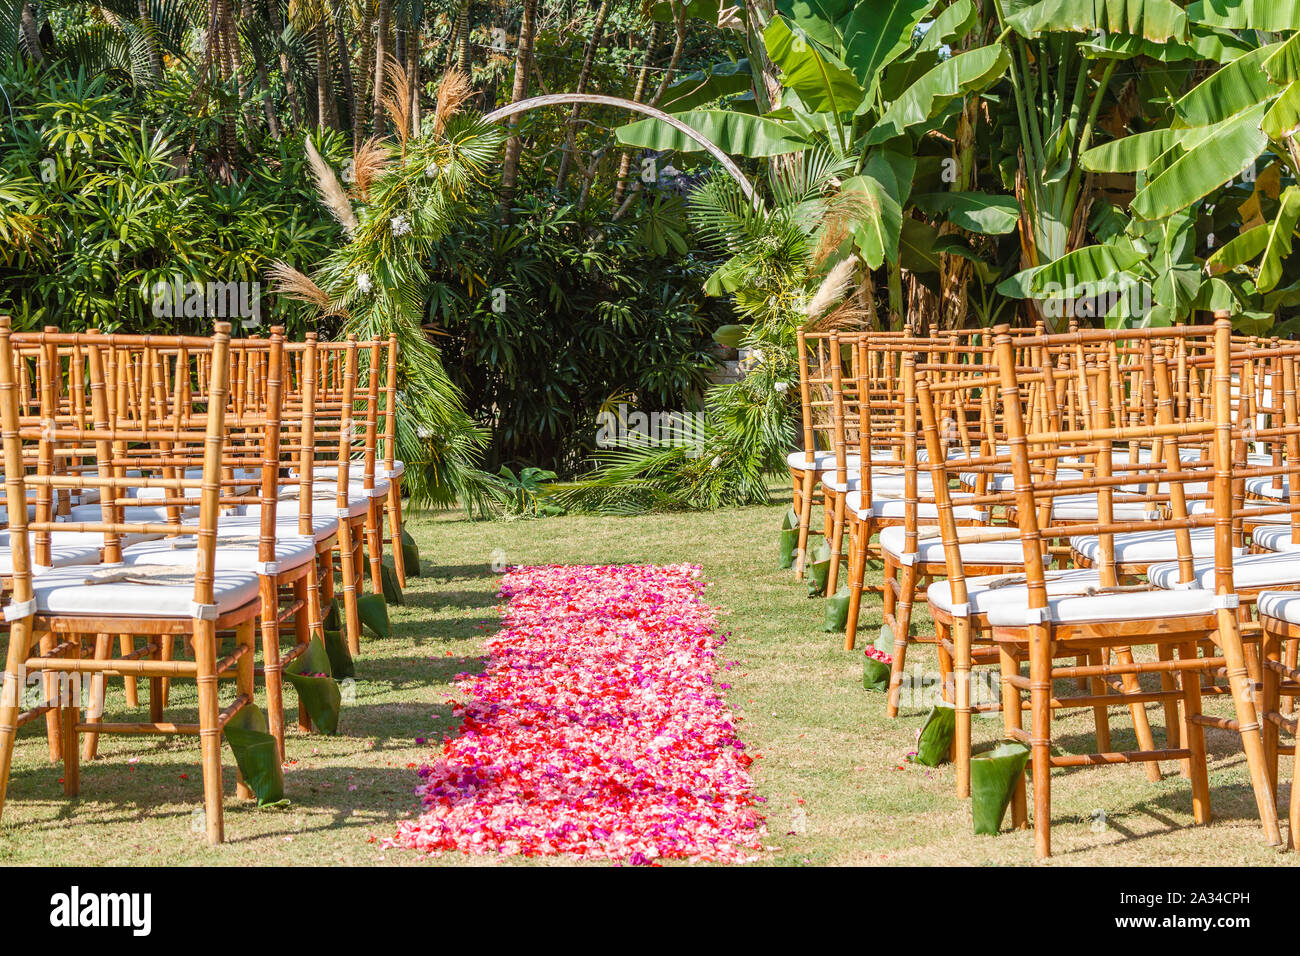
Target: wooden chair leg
[
  {"x": 1169, "y": 682},
  {"x": 961, "y": 675},
  {"x": 395, "y": 529},
  {"x": 70, "y": 713},
  {"x": 837, "y": 543},
  {"x": 902, "y": 625},
  {"x": 1194, "y": 735},
  {"x": 1243, "y": 699},
  {"x": 53, "y": 716},
  {"x": 246, "y": 637},
  {"x": 205, "y": 656},
  {"x": 857, "y": 568},
  {"x": 272, "y": 674},
  {"x": 11, "y": 698},
  {"x": 943, "y": 632},
  {"x": 374, "y": 540},
  {"x": 1270, "y": 652},
  {"x": 167, "y": 644},
  {"x": 302, "y": 632},
  {"x": 1141, "y": 725},
  {"x": 1100, "y": 714},
  {"x": 351, "y": 614},
  {"x": 1040, "y": 704},
  {"x": 127, "y": 647},
  {"x": 1291, "y": 658},
  {"x": 95, "y": 710},
  {"x": 808, "y": 481},
  {"x": 1009, "y": 665}
]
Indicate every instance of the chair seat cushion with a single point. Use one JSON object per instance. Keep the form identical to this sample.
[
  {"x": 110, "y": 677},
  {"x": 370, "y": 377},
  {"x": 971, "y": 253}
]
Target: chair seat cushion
[
  {"x": 65, "y": 591},
  {"x": 897, "y": 508},
  {"x": 1146, "y": 547},
  {"x": 249, "y": 475},
  {"x": 1084, "y": 507},
  {"x": 286, "y": 525},
  {"x": 358, "y": 505},
  {"x": 1007, "y": 482},
  {"x": 290, "y": 552},
  {"x": 1262, "y": 487},
  {"x": 822, "y": 461},
  {"x": 1274, "y": 537},
  {"x": 982, "y": 594},
  {"x": 131, "y": 514},
  {"x": 1280, "y": 605},
  {"x": 1116, "y": 606},
  {"x": 397, "y": 471},
  {"x": 328, "y": 486},
  {"x": 1248, "y": 571},
  {"x": 62, "y": 554},
  {"x": 929, "y": 547}
]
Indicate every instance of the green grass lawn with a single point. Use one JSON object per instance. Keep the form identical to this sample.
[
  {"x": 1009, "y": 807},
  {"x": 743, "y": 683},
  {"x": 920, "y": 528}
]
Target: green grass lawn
[{"x": 831, "y": 767}]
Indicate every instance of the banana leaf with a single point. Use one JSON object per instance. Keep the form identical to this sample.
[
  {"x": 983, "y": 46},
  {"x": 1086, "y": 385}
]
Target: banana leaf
[
  {"x": 410, "y": 554},
  {"x": 333, "y": 616},
  {"x": 317, "y": 691},
  {"x": 876, "y": 667},
  {"x": 837, "y": 610},
  {"x": 374, "y": 613},
  {"x": 257, "y": 755},
  {"x": 336, "y": 646},
  {"x": 392, "y": 590},
  {"x": 934, "y": 742},
  {"x": 789, "y": 539},
  {"x": 819, "y": 567},
  {"x": 993, "y": 778}
]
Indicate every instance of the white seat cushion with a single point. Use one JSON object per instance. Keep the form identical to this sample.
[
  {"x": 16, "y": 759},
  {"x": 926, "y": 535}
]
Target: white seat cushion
[
  {"x": 981, "y": 595},
  {"x": 897, "y": 508},
  {"x": 1084, "y": 507},
  {"x": 1280, "y": 605},
  {"x": 64, "y": 591},
  {"x": 358, "y": 505},
  {"x": 397, "y": 471},
  {"x": 929, "y": 546},
  {"x": 1274, "y": 537},
  {"x": 62, "y": 554},
  {"x": 131, "y": 514},
  {"x": 286, "y": 525},
  {"x": 1146, "y": 547},
  {"x": 1119, "y": 606},
  {"x": 1007, "y": 482},
  {"x": 822, "y": 461},
  {"x": 290, "y": 553},
  {"x": 1262, "y": 487},
  {"x": 250, "y": 475},
  {"x": 356, "y": 488},
  {"x": 1248, "y": 571}
]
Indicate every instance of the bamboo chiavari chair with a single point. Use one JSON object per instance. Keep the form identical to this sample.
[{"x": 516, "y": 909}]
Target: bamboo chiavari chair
[{"x": 76, "y": 603}]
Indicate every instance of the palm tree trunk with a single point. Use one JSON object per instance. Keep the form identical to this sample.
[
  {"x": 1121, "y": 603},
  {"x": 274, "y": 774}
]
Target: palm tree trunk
[
  {"x": 32, "y": 35},
  {"x": 290, "y": 87},
  {"x": 361, "y": 105},
  {"x": 150, "y": 42},
  {"x": 259, "y": 68},
  {"x": 413, "y": 73},
  {"x": 382, "y": 50},
  {"x": 463, "y": 62},
  {"x": 584, "y": 77},
  {"x": 326, "y": 114},
  {"x": 345, "y": 68},
  {"x": 523, "y": 62}
]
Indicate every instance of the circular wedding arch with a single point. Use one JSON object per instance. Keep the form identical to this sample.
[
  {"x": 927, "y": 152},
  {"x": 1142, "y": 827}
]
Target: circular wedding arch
[{"x": 568, "y": 99}]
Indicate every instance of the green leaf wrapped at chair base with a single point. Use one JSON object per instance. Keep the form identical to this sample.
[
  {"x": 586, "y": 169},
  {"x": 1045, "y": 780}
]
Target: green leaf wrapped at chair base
[
  {"x": 317, "y": 691},
  {"x": 837, "y": 610},
  {"x": 410, "y": 555},
  {"x": 934, "y": 744},
  {"x": 333, "y": 616},
  {"x": 336, "y": 646},
  {"x": 373, "y": 610},
  {"x": 392, "y": 590},
  {"x": 256, "y": 754},
  {"x": 789, "y": 540},
  {"x": 875, "y": 672},
  {"x": 819, "y": 567},
  {"x": 994, "y": 775}
]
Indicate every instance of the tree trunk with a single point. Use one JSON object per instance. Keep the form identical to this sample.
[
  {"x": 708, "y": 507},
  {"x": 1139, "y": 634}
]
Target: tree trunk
[
  {"x": 290, "y": 87},
  {"x": 463, "y": 62},
  {"x": 361, "y": 105},
  {"x": 382, "y": 50},
  {"x": 345, "y": 68},
  {"x": 150, "y": 42},
  {"x": 523, "y": 63},
  {"x": 642, "y": 80},
  {"x": 326, "y": 114},
  {"x": 413, "y": 73},
  {"x": 32, "y": 35},
  {"x": 584, "y": 77}
]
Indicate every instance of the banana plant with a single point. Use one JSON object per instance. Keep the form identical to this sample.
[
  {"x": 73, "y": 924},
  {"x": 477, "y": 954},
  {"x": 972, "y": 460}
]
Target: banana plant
[{"x": 867, "y": 84}]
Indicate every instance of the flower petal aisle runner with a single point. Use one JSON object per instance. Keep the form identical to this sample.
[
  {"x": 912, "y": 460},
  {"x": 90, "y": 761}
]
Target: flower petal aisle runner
[{"x": 595, "y": 730}]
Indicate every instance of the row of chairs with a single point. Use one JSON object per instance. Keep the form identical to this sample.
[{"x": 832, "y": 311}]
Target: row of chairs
[
  {"x": 201, "y": 488},
  {"x": 1090, "y": 507}
]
